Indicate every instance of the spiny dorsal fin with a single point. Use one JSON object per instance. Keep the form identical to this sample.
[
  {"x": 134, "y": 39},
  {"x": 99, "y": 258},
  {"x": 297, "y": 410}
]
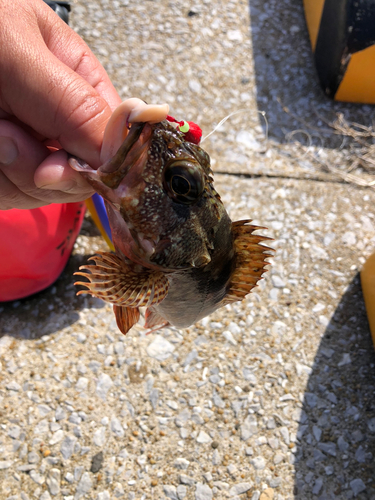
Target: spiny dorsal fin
[
  {"x": 113, "y": 280},
  {"x": 250, "y": 260}
]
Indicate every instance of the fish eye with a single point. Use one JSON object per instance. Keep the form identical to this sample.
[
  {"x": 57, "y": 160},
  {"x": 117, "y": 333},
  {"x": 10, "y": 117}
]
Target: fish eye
[
  {"x": 180, "y": 185},
  {"x": 183, "y": 181}
]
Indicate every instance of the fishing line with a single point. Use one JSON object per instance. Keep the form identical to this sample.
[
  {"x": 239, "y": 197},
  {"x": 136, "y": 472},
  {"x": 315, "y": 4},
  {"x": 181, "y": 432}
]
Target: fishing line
[{"x": 262, "y": 113}]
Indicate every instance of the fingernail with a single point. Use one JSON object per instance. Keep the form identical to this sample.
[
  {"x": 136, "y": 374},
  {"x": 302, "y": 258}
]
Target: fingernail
[{"x": 8, "y": 151}]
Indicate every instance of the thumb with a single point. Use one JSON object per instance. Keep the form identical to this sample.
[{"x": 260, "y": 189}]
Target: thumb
[{"x": 26, "y": 165}]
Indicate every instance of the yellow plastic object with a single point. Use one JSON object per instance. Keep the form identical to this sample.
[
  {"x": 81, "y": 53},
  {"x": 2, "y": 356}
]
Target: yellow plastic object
[
  {"x": 313, "y": 14},
  {"x": 342, "y": 35},
  {"x": 94, "y": 214},
  {"x": 368, "y": 288},
  {"x": 358, "y": 84}
]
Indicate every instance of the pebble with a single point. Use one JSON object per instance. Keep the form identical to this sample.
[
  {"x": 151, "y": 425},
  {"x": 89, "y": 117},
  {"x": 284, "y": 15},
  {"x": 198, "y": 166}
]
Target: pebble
[
  {"x": 33, "y": 457},
  {"x": 172, "y": 404},
  {"x": 53, "y": 481},
  {"x": 45, "y": 496},
  {"x": 117, "y": 428},
  {"x": 319, "y": 456},
  {"x": 240, "y": 488},
  {"x": 81, "y": 338},
  {"x": 69, "y": 477},
  {"x": 249, "y": 375},
  {"x": 195, "y": 86},
  {"x": 346, "y": 360},
  {"x": 203, "y": 438},
  {"x": 78, "y": 472},
  {"x": 41, "y": 427},
  {"x": 82, "y": 384},
  {"x": 317, "y": 432},
  {"x": 103, "y": 385},
  {"x": 259, "y": 463},
  {"x": 97, "y": 462},
  {"x": 181, "y": 463},
  {"x": 277, "y": 281},
  {"x": 60, "y": 413},
  {"x": 267, "y": 494},
  {"x": 13, "y": 386},
  {"x": 371, "y": 424},
  {"x": 100, "y": 436},
  {"x": 357, "y": 485},
  {"x": 14, "y": 431},
  {"x": 203, "y": 492},
  {"x": 232, "y": 469},
  {"x": 190, "y": 357},
  {"x": 160, "y": 348},
  {"x": 317, "y": 486},
  {"x": 360, "y": 455},
  {"x": 329, "y": 448},
  {"x": 74, "y": 418},
  {"x": 154, "y": 398},
  {"x": 248, "y": 428},
  {"x": 119, "y": 490},
  {"x": 170, "y": 491},
  {"x": 184, "y": 479},
  {"x": 104, "y": 495},
  {"x": 357, "y": 436},
  {"x": 37, "y": 478},
  {"x": 57, "y": 437},
  {"x": 229, "y": 337},
  {"x": 181, "y": 491},
  {"x": 67, "y": 446},
  {"x": 43, "y": 410},
  {"x": 84, "y": 486},
  {"x": 5, "y": 464}
]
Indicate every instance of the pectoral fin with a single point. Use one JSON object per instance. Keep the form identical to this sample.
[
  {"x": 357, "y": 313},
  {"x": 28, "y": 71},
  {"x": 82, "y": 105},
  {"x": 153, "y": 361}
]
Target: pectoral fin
[
  {"x": 113, "y": 280},
  {"x": 126, "y": 317},
  {"x": 154, "y": 320},
  {"x": 250, "y": 260}
]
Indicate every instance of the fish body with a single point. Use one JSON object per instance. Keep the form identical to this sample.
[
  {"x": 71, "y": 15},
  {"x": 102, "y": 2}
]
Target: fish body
[{"x": 177, "y": 251}]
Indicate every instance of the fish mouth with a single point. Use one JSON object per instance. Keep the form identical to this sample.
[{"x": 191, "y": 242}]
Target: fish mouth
[
  {"x": 123, "y": 183},
  {"x": 113, "y": 171}
]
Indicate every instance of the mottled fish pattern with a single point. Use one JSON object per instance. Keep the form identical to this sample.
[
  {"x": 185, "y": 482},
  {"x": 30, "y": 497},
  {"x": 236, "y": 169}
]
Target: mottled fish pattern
[{"x": 177, "y": 252}]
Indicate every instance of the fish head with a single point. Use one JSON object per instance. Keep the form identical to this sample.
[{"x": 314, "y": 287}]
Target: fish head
[{"x": 163, "y": 209}]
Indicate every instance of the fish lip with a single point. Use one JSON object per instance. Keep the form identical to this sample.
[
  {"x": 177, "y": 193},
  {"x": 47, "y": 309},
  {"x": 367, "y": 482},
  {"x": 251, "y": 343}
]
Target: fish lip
[{"x": 113, "y": 164}]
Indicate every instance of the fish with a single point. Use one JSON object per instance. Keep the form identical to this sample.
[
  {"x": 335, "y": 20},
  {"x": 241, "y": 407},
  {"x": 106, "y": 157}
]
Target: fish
[{"x": 177, "y": 252}]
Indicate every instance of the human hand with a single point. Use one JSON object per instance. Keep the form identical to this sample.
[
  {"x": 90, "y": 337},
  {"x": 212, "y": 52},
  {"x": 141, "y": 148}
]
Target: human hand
[{"x": 53, "y": 91}]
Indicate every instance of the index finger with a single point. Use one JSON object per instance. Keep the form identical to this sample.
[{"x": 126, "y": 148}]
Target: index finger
[{"x": 46, "y": 94}]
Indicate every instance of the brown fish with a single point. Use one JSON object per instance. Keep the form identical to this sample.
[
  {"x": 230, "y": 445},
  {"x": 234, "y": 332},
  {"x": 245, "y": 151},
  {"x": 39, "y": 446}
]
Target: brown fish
[{"x": 177, "y": 251}]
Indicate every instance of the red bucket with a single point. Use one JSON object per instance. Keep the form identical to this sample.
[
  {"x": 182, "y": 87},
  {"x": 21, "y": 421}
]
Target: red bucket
[{"x": 35, "y": 246}]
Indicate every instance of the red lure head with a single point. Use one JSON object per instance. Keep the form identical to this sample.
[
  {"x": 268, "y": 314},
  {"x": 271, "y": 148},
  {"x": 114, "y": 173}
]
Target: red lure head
[{"x": 192, "y": 132}]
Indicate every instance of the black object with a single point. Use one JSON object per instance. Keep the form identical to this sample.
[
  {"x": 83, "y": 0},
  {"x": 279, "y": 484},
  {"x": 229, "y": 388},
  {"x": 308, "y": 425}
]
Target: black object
[
  {"x": 346, "y": 27},
  {"x": 97, "y": 462},
  {"x": 62, "y": 9}
]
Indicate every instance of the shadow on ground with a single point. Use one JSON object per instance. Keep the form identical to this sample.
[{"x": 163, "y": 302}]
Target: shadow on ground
[
  {"x": 56, "y": 307},
  {"x": 336, "y": 450},
  {"x": 285, "y": 74}
]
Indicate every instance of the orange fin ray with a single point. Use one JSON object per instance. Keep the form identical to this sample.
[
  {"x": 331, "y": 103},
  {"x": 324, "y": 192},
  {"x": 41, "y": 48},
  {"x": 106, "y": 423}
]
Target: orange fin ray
[
  {"x": 154, "y": 321},
  {"x": 250, "y": 260},
  {"x": 113, "y": 280},
  {"x": 126, "y": 317}
]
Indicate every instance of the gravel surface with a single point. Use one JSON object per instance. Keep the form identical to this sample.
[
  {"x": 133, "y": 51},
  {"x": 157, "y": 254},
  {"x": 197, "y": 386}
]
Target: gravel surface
[{"x": 268, "y": 399}]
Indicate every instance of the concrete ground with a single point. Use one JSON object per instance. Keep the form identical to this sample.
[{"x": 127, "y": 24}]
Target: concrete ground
[{"x": 271, "y": 398}]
